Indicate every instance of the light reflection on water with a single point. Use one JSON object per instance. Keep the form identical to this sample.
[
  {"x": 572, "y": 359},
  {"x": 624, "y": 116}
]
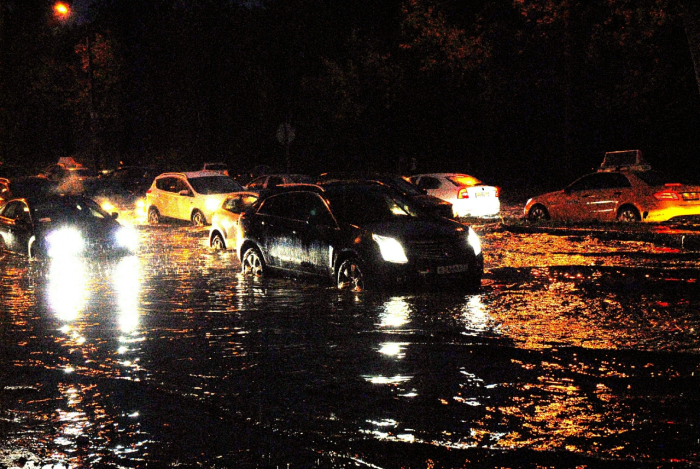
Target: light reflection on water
[{"x": 556, "y": 353}]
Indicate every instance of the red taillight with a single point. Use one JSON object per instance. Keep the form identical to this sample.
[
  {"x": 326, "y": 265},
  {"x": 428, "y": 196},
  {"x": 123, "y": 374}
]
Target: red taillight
[
  {"x": 666, "y": 195},
  {"x": 498, "y": 191},
  {"x": 463, "y": 194},
  {"x": 148, "y": 191}
]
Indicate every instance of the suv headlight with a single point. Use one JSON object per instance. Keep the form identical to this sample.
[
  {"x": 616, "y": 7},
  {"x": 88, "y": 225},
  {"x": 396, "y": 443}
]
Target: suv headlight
[
  {"x": 391, "y": 249},
  {"x": 474, "y": 241},
  {"x": 65, "y": 242}
]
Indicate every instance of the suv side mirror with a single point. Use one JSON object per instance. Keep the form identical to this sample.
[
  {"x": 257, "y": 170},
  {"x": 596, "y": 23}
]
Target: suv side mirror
[{"x": 185, "y": 193}]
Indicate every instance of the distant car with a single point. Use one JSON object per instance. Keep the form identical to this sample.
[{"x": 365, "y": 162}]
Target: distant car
[
  {"x": 192, "y": 196},
  {"x": 124, "y": 188},
  {"x": 62, "y": 225},
  {"x": 270, "y": 181},
  {"x": 468, "y": 195},
  {"x": 221, "y": 168},
  {"x": 358, "y": 235},
  {"x": 224, "y": 221},
  {"x": 428, "y": 203},
  {"x": 26, "y": 186},
  {"x": 618, "y": 195}
]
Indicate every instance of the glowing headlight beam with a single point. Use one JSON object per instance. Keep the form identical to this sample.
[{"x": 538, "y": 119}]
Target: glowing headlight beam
[
  {"x": 391, "y": 249},
  {"x": 65, "y": 242}
]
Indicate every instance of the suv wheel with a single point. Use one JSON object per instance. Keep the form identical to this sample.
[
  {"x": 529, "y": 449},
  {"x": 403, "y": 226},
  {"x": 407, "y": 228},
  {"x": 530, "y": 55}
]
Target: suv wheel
[
  {"x": 253, "y": 262},
  {"x": 153, "y": 216},
  {"x": 198, "y": 218},
  {"x": 350, "y": 276}
]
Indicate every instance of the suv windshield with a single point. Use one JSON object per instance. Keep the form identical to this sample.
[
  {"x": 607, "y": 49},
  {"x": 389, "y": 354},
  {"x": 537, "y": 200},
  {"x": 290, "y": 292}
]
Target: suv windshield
[
  {"x": 214, "y": 185},
  {"x": 358, "y": 205}
]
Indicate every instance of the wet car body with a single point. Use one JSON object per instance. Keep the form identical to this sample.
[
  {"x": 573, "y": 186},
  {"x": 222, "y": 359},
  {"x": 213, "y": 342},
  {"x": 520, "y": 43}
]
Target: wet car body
[
  {"x": 468, "y": 195},
  {"x": 224, "y": 221},
  {"x": 357, "y": 234},
  {"x": 59, "y": 225},
  {"x": 427, "y": 203},
  {"x": 618, "y": 195}
]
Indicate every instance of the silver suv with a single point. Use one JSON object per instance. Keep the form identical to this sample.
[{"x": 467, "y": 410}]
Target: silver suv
[{"x": 192, "y": 196}]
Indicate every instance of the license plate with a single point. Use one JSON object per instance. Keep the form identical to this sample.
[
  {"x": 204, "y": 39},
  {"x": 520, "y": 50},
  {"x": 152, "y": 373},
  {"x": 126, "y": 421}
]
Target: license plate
[
  {"x": 452, "y": 269},
  {"x": 481, "y": 194}
]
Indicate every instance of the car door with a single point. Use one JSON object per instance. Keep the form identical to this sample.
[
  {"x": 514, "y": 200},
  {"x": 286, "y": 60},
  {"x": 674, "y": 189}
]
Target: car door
[
  {"x": 16, "y": 226},
  {"x": 274, "y": 231}
]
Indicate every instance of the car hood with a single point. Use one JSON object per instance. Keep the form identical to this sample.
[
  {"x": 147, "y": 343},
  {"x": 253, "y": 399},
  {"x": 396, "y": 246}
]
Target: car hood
[{"x": 413, "y": 229}]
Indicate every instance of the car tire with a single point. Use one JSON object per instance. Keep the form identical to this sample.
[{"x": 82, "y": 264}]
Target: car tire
[
  {"x": 628, "y": 214},
  {"x": 538, "y": 213},
  {"x": 198, "y": 218},
  {"x": 350, "y": 276},
  {"x": 217, "y": 242},
  {"x": 253, "y": 262},
  {"x": 153, "y": 216}
]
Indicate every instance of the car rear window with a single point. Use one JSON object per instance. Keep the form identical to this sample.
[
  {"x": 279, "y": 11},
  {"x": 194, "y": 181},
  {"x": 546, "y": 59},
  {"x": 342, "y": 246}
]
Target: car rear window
[
  {"x": 214, "y": 185},
  {"x": 464, "y": 180}
]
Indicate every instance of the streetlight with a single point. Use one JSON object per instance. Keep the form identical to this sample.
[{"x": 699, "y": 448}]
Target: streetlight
[{"x": 61, "y": 11}]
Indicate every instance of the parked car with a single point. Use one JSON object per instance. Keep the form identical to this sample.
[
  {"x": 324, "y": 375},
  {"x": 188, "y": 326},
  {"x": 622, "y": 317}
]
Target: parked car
[
  {"x": 189, "y": 196},
  {"x": 221, "y": 168},
  {"x": 270, "y": 181},
  {"x": 428, "y": 203},
  {"x": 224, "y": 221},
  {"x": 62, "y": 225},
  {"x": 124, "y": 188},
  {"x": 468, "y": 195},
  {"x": 357, "y": 234},
  {"x": 26, "y": 186},
  {"x": 627, "y": 195}
]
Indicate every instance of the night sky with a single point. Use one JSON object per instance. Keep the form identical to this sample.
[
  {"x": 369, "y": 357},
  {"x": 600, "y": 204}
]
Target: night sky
[{"x": 517, "y": 93}]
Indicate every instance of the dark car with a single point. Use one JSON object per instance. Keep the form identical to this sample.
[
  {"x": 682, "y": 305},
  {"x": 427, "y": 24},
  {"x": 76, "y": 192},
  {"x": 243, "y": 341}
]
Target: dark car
[
  {"x": 62, "y": 225},
  {"x": 358, "y": 234},
  {"x": 427, "y": 203}
]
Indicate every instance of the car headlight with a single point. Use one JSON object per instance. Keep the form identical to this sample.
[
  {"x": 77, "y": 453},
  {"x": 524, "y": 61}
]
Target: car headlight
[
  {"x": 474, "y": 241},
  {"x": 212, "y": 204},
  {"x": 65, "y": 242},
  {"x": 127, "y": 238},
  {"x": 391, "y": 249}
]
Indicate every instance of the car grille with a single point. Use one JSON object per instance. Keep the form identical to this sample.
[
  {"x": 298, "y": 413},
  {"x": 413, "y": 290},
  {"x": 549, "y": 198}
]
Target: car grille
[
  {"x": 436, "y": 250},
  {"x": 691, "y": 195}
]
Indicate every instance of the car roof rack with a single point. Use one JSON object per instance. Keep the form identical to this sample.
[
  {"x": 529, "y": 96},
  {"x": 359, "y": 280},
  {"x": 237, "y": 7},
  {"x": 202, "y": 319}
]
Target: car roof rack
[{"x": 630, "y": 160}]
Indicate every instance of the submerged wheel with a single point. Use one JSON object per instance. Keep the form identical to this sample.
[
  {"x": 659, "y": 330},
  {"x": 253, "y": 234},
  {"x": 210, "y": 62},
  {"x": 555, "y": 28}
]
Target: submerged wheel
[
  {"x": 350, "y": 276},
  {"x": 153, "y": 216},
  {"x": 628, "y": 214},
  {"x": 538, "y": 213},
  {"x": 217, "y": 242},
  {"x": 198, "y": 218},
  {"x": 253, "y": 262}
]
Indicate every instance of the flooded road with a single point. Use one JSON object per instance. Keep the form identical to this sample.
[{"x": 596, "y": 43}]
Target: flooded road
[{"x": 576, "y": 353}]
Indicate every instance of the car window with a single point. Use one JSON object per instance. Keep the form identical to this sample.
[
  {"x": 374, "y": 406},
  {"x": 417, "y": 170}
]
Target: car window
[
  {"x": 281, "y": 205},
  {"x": 464, "y": 180},
  {"x": 168, "y": 184},
  {"x": 274, "y": 181},
  {"x": 214, "y": 185},
  {"x": 257, "y": 183},
  {"x": 239, "y": 203},
  {"x": 17, "y": 210},
  {"x": 429, "y": 183},
  {"x": 366, "y": 205},
  {"x": 600, "y": 181}
]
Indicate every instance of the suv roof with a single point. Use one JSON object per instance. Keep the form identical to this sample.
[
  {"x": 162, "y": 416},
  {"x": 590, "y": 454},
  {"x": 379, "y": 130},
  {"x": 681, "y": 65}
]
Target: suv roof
[{"x": 192, "y": 174}]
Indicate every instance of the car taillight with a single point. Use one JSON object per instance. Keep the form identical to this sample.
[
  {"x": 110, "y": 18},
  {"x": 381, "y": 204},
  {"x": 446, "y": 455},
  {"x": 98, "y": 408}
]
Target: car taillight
[
  {"x": 148, "y": 191},
  {"x": 498, "y": 191},
  {"x": 463, "y": 194},
  {"x": 666, "y": 195}
]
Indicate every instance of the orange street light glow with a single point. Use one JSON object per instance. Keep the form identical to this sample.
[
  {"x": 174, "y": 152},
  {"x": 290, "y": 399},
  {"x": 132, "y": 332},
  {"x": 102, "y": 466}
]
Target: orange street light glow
[{"x": 61, "y": 9}]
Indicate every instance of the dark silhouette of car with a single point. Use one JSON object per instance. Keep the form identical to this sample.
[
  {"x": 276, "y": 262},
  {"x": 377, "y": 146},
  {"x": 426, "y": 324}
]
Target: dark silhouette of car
[
  {"x": 62, "y": 225},
  {"x": 358, "y": 235},
  {"x": 428, "y": 203}
]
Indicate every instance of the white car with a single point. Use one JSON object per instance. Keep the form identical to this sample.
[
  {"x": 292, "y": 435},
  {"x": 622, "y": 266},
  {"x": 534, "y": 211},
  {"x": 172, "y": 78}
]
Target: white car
[
  {"x": 192, "y": 196},
  {"x": 224, "y": 222},
  {"x": 468, "y": 195}
]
